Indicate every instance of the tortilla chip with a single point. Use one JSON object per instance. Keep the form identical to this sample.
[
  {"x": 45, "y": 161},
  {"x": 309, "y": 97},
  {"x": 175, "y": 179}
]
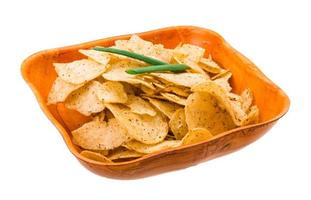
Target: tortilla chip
[
  {"x": 140, "y": 46},
  {"x": 95, "y": 156},
  {"x": 144, "y": 128},
  {"x": 79, "y": 71},
  {"x": 232, "y": 107},
  {"x": 252, "y": 116},
  {"x": 196, "y": 135},
  {"x": 210, "y": 66},
  {"x": 85, "y": 99},
  {"x": 117, "y": 72},
  {"x": 151, "y": 148},
  {"x": 223, "y": 81},
  {"x": 122, "y": 153},
  {"x": 61, "y": 90},
  {"x": 178, "y": 90},
  {"x": 99, "y": 135},
  {"x": 100, "y": 116},
  {"x": 246, "y": 99},
  {"x": 98, "y": 56},
  {"x": 189, "y": 52},
  {"x": 202, "y": 111},
  {"x": 167, "y": 108},
  {"x": 112, "y": 92},
  {"x": 139, "y": 106},
  {"x": 184, "y": 79},
  {"x": 178, "y": 124},
  {"x": 174, "y": 98}
]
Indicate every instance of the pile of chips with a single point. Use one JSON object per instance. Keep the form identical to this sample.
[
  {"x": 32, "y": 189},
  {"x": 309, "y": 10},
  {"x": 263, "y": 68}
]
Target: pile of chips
[{"x": 135, "y": 115}]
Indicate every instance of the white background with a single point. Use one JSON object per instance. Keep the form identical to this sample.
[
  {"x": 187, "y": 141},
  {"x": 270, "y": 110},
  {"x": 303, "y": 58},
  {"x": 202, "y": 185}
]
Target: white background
[{"x": 36, "y": 164}]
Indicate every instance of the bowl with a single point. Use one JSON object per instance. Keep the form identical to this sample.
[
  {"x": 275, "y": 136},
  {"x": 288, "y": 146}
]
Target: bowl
[{"x": 273, "y": 103}]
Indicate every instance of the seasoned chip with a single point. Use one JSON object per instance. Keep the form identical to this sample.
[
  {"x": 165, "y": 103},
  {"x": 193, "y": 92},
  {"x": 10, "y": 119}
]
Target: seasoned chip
[
  {"x": 151, "y": 148},
  {"x": 99, "y": 135},
  {"x": 140, "y": 106},
  {"x": 196, "y": 135},
  {"x": 144, "y": 128},
  {"x": 118, "y": 73},
  {"x": 223, "y": 81},
  {"x": 98, "y": 56},
  {"x": 85, "y": 99},
  {"x": 202, "y": 111},
  {"x": 178, "y": 90},
  {"x": 95, "y": 156},
  {"x": 174, "y": 98},
  {"x": 252, "y": 116},
  {"x": 246, "y": 99},
  {"x": 210, "y": 66},
  {"x": 189, "y": 52},
  {"x": 167, "y": 108},
  {"x": 232, "y": 107},
  {"x": 112, "y": 92},
  {"x": 61, "y": 90},
  {"x": 122, "y": 153},
  {"x": 100, "y": 116},
  {"x": 183, "y": 79},
  {"x": 79, "y": 71},
  {"x": 178, "y": 124}
]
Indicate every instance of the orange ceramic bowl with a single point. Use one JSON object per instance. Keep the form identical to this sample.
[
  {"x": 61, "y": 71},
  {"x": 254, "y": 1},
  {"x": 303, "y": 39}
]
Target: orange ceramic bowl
[{"x": 273, "y": 103}]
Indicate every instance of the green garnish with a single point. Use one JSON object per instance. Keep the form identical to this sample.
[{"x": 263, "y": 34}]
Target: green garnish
[
  {"x": 131, "y": 55},
  {"x": 157, "y": 68}
]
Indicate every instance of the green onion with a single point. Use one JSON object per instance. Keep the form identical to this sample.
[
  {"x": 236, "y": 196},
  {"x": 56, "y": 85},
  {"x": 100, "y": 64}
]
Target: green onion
[
  {"x": 156, "y": 68},
  {"x": 131, "y": 55}
]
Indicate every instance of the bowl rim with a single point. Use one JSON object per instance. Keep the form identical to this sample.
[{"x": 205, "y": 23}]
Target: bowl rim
[{"x": 66, "y": 136}]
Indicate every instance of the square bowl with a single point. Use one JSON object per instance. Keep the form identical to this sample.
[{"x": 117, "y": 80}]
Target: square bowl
[{"x": 273, "y": 103}]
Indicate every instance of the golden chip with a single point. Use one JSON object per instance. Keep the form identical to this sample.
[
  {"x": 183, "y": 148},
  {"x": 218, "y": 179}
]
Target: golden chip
[
  {"x": 79, "y": 71},
  {"x": 252, "y": 116},
  {"x": 151, "y": 148},
  {"x": 189, "y": 52},
  {"x": 123, "y": 153},
  {"x": 117, "y": 72},
  {"x": 61, "y": 90},
  {"x": 95, "y": 156},
  {"x": 99, "y": 135},
  {"x": 140, "y": 106},
  {"x": 202, "y": 111},
  {"x": 112, "y": 92},
  {"x": 246, "y": 99},
  {"x": 232, "y": 107},
  {"x": 183, "y": 79},
  {"x": 196, "y": 135},
  {"x": 223, "y": 81},
  {"x": 98, "y": 56},
  {"x": 144, "y": 128},
  {"x": 210, "y": 66},
  {"x": 174, "y": 98},
  {"x": 178, "y": 124},
  {"x": 167, "y": 108},
  {"x": 85, "y": 99}
]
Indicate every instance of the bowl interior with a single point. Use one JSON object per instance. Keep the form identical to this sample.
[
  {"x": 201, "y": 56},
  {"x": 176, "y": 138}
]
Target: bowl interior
[{"x": 39, "y": 72}]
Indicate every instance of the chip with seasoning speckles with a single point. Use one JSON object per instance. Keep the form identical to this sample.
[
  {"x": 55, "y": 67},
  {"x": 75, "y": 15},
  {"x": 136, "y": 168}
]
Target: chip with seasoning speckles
[
  {"x": 202, "y": 111},
  {"x": 178, "y": 124},
  {"x": 61, "y": 90},
  {"x": 79, "y": 71},
  {"x": 100, "y": 135},
  {"x": 112, "y": 92},
  {"x": 151, "y": 148},
  {"x": 196, "y": 135},
  {"x": 144, "y": 128},
  {"x": 85, "y": 99}
]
